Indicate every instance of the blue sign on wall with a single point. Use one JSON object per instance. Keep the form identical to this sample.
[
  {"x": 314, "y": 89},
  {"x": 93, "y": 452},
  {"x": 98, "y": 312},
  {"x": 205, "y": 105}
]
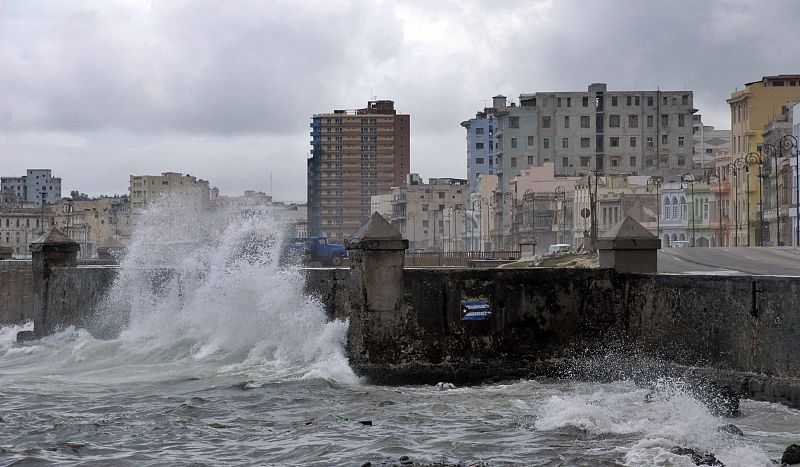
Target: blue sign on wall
[{"x": 477, "y": 310}]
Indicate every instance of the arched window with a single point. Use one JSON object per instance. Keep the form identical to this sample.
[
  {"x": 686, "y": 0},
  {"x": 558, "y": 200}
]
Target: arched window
[
  {"x": 682, "y": 237},
  {"x": 665, "y": 243},
  {"x": 666, "y": 209}
]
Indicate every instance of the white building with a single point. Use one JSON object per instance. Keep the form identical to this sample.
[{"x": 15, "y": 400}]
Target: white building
[
  {"x": 382, "y": 204},
  {"x": 795, "y": 119},
  {"x": 707, "y": 141},
  {"x": 33, "y": 185}
]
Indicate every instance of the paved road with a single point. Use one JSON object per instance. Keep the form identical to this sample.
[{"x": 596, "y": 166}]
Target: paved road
[{"x": 735, "y": 260}]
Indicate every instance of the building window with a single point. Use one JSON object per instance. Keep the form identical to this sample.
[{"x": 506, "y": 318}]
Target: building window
[
  {"x": 685, "y": 99},
  {"x": 615, "y": 162},
  {"x": 585, "y": 102},
  {"x": 613, "y": 101},
  {"x": 680, "y": 141},
  {"x": 681, "y": 120},
  {"x": 665, "y": 120},
  {"x": 650, "y": 101},
  {"x": 513, "y": 143},
  {"x": 566, "y": 122},
  {"x": 530, "y": 140},
  {"x": 479, "y": 160},
  {"x": 564, "y": 143},
  {"x": 681, "y": 160},
  {"x": 559, "y": 102},
  {"x": 613, "y": 121},
  {"x": 585, "y": 161},
  {"x": 478, "y": 145},
  {"x": 614, "y": 142},
  {"x": 585, "y": 119},
  {"x": 636, "y": 100},
  {"x": 648, "y": 162},
  {"x": 649, "y": 121},
  {"x": 633, "y": 141},
  {"x": 633, "y": 161},
  {"x": 530, "y": 160},
  {"x": 513, "y": 162},
  {"x": 664, "y": 100},
  {"x": 585, "y": 142},
  {"x": 545, "y": 122},
  {"x": 628, "y": 100},
  {"x": 649, "y": 141},
  {"x": 565, "y": 162},
  {"x": 513, "y": 122},
  {"x": 478, "y": 131},
  {"x": 664, "y": 139},
  {"x": 633, "y": 121}
]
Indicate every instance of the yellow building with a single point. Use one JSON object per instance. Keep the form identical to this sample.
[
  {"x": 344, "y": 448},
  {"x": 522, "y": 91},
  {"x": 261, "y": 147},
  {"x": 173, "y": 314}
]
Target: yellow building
[
  {"x": 145, "y": 189},
  {"x": 752, "y": 108}
]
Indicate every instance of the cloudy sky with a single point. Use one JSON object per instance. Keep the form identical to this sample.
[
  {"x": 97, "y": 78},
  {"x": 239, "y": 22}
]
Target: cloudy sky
[{"x": 98, "y": 90}]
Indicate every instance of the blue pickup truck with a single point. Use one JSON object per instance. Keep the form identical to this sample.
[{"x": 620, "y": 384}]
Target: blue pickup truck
[{"x": 316, "y": 249}]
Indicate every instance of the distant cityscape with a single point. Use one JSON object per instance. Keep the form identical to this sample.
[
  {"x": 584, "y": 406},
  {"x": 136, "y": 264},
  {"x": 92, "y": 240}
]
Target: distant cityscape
[{"x": 549, "y": 168}]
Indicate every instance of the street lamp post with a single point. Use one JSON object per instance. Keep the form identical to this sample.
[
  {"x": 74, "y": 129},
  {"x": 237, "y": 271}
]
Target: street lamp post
[
  {"x": 788, "y": 143},
  {"x": 770, "y": 150},
  {"x": 738, "y": 166},
  {"x": 656, "y": 182},
  {"x": 756, "y": 158},
  {"x": 533, "y": 211},
  {"x": 561, "y": 191},
  {"x": 689, "y": 179}
]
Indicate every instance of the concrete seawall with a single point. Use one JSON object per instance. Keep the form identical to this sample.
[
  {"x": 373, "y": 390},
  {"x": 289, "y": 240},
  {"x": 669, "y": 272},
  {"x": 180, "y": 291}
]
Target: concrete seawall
[
  {"x": 406, "y": 325},
  {"x": 16, "y": 292}
]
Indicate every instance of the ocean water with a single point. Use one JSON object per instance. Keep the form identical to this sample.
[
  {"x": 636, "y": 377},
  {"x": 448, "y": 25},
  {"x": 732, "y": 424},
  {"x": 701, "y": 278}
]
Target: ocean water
[{"x": 226, "y": 362}]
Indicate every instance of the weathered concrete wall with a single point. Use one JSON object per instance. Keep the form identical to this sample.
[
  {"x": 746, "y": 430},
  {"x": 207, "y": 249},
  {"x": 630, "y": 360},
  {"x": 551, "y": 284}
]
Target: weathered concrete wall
[
  {"x": 73, "y": 294},
  {"x": 330, "y": 287},
  {"x": 742, "y": 323},
  {"x": 16, "y": 292}
]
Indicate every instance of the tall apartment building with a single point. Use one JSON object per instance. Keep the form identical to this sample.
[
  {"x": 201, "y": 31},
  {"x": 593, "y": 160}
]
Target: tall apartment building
[
  {"x": 611, "y": 132},
  {"x": 355, "y": 154},
  {"x": 752, "y": 108},
  {"x": 707, "y": 141},
  {"x": 145, "y": 189},
  {"x": 32, "y": 185},
  {"x": 480, "y": 144}
]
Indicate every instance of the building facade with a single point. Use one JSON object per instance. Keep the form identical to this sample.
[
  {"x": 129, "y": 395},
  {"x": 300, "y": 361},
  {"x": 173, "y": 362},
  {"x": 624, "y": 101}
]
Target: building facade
[
  {"x": 33, "y": 185},
  {"x": 707, "y": 141},
  {"x": 610, "y": 132},
  {"x": 752, "y": 108},
  {"x": 480, "y": 144},
  {"x": 355, "y": 154},
  {"x": 146, "y": 189},
  {"x": 431, "y": 216},
  {"x": 96, "y": 223}
]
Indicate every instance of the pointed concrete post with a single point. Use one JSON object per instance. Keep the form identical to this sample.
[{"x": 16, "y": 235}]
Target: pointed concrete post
[
  {"x": 629, "y": 247},
  {"x": 52, "y": 250},
  {"x": 377, "y": 256}
]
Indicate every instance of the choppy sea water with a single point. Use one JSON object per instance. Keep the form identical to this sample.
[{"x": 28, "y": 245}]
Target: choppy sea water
[{"x": 227, "y": 363}]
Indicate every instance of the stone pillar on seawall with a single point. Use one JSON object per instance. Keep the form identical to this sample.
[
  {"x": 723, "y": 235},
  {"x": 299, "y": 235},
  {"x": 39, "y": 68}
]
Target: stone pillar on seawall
[
  {"x": 377, "y": 256},
  {"x": 52, "y": 250},
  {"x": 629, "y": 247}
]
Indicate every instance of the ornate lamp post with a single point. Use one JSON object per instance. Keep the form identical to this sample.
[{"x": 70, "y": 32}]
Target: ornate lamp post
[
  {"x": 689, "y": 180},
  {"x": 560, "y": 190},
  {"x": 756, "y": 158},
  {"x": 656, "y": 182},
  {"x": 738, "y": 166},
  {"x": 530, "y": 193}
]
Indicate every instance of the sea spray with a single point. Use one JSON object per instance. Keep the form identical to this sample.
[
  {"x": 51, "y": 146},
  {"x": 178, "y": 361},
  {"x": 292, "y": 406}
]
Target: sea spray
[{"x": 197, "y": 285}]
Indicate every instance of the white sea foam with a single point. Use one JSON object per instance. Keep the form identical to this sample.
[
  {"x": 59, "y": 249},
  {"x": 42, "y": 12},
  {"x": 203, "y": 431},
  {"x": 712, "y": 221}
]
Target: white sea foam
[
  {"x": 677, "y": 419},
  {"x": 211, "y": 287}
]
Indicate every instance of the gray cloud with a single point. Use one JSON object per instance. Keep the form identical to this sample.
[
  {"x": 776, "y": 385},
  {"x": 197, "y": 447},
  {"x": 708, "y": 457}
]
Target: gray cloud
[{"x": 225, "y": 90}]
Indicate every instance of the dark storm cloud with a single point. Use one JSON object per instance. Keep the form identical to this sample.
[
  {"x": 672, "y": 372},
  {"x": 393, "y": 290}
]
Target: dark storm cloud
[
  {"x": 184, "y": 85},
  {"x": 206, "y": 67}
]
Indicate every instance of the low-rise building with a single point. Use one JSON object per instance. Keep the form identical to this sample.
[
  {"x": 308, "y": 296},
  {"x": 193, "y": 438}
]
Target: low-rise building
[
  {"x": 146, "y": 189},
  {"x": 34, "y": 185}
]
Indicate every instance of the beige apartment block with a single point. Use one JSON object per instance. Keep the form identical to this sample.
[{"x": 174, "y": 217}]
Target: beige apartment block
[
  {"x": 427, "y": 214},
  {"x": 146, "y": 189},
  {"x": 96, "y": 223}
]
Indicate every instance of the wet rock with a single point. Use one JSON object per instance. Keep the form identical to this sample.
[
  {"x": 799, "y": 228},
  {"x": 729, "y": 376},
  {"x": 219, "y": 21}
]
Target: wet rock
[
  {"x": 366, "y": 422},
  {"x": 404, "y": 460},
  {"x": 25, "y": 336},
  {"x": 366, "y": 464},
  {"x": 243, "y": 386},
  {"x": 791, "y": 455},
  {"x": 730, "y": 428},
  {"x": 442, "y": 386},
  {"x": 698, "y": 459},
  {"x": 217, "y": 425}
]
